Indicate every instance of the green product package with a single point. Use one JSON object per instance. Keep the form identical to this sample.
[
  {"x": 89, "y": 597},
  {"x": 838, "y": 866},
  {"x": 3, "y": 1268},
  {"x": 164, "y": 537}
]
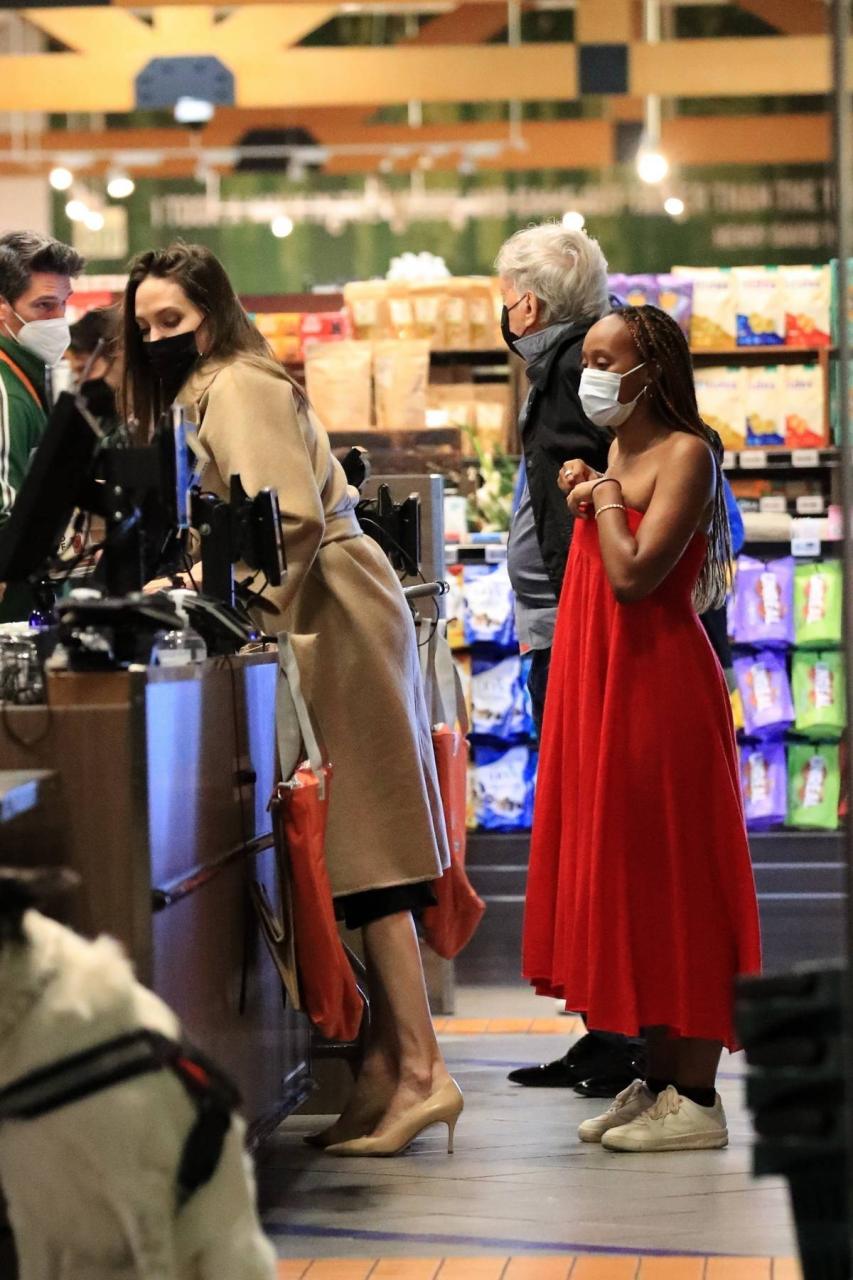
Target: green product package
[
  {"x": 817, "y": 604},
  {"x": 814, "y": 786},
  {"x": 819, "y": 694}
]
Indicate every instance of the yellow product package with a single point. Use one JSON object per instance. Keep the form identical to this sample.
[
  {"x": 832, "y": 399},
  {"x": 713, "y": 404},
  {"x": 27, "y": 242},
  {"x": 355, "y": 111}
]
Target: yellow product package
[
  {"x": 721, "y": 396},
  {"x": 765, "y": 411},
  {"x": 401, "y": 374},
  {"x": 401, "y": 310},
  {"x": 457, "y": 332},
  {"x": 760, "y": 307},
  {"x": 712, "y": 325},
  {"x": 338, "y": 382},
  {"x": 428, "y": 308},
  {"x": 804, "y": 403},
  {"x": 367, "y": 303},
  {"x": 483, "y": 317},
  {"x": 806, "y": 294}
]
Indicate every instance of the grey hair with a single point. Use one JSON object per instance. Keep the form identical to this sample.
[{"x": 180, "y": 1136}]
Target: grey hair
[{"x": 565, "y": 270}]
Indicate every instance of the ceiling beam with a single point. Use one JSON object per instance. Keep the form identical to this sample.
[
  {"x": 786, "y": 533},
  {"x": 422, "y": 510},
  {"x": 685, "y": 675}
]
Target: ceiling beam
[
  {"x": 558, "y": 144},
  {"x": 791, "y": 17},
  {"x": 615, "y": 21},
  {"x": 467, "y": 24},
  {"x": 268, "y": 75}
]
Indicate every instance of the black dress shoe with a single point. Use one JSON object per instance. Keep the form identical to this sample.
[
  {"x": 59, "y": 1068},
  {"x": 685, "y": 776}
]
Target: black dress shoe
[{"x": 548, "y": 1075}]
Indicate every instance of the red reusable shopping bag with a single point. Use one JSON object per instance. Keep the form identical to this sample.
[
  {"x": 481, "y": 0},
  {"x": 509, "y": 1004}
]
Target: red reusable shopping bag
[
  {"x": 328, "y": 989},
  {"x": 449, "y": 926}
]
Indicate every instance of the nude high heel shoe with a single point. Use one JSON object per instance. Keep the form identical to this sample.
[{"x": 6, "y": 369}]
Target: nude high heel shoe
[{"x": 442, "y": 1107}]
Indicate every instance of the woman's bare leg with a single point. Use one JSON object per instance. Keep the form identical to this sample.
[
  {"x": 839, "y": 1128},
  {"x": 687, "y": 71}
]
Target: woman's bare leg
[{"x": 697, "y": 1062}]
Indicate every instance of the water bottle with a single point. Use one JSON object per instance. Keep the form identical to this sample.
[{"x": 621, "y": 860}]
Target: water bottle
[{"x": 180, "y": 645}]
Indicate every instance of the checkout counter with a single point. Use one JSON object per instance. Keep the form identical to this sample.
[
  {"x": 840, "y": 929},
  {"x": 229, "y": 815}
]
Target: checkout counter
[{"x": 161, "y": 778}]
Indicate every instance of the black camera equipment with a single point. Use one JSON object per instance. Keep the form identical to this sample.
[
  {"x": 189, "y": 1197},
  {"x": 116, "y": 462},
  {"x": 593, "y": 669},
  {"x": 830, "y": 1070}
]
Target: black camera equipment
[
  {"x": 244, "y": 530},
  {"x": 396, "y": 526}
]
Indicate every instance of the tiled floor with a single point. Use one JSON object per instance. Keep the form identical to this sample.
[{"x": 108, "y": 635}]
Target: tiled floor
[
  {"x": 542, "y": 1268},
  {"x": 522, "y": 1198}
]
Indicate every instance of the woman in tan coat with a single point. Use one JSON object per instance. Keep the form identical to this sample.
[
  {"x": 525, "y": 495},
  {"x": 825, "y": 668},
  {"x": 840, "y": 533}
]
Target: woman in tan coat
[{"x": 188, "y": 339}]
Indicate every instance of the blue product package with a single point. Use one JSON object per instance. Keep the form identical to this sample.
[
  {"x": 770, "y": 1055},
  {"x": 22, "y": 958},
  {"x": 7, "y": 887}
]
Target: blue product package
[
  {"x": 495, "y": 697},
  {"x": 764, "y": 602},
  {"x": 764, "y": 779},
  {"x": 489, "y": 605},
  {"x": 768, "y": 707},
  {"x": 503, "y": 788},
  {"x": 526, "y": 724}
]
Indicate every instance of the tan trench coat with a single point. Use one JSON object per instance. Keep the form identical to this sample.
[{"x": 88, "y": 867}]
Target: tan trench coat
[{"x": 365, "y": 689}]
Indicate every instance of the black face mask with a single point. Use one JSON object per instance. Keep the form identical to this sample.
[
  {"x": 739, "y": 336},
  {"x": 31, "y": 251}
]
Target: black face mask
[
  {"x": 173, "y": 360},
  {"x": 507, "y": 334}
]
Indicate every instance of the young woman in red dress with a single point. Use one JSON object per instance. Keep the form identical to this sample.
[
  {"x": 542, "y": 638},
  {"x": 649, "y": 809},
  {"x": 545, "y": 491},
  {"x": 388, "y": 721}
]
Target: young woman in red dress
[{"x": 641, "y": 907}]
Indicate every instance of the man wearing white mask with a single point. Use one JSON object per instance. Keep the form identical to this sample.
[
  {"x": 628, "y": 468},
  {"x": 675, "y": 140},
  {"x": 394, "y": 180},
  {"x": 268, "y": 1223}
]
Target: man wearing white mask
[{"x": 36, "y": 272}]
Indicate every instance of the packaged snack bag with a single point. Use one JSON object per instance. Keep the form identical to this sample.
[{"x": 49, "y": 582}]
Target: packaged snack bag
[
  {"x": 640, "y": 291},
  {"x": 325, "y": 326},
  {"x": 503, "y": 788},
  {"x": 675, "y": 297},
  {"x": 760, "y": 307},
  {"x": 721, "y": 396},
  {"x": 819, "y": 694},
  {"x": 489, "y": 605},
  {"x": 617, "y": 286},
  {"x": 713, "y": 322},
  {"x": 457, "y": 331},
  {"x": 484, "y": 327},
  {"x": 367, "y": 302},
  {"x": 337, "y": 379},
  {"x": 803, "y": 400},
  {"x": 764, "y": 602},
  {"x": 496, "y": 698},
  {"x": 818, "y": 604},
  {"x": 765, "y": 417},
  {"x": 762, "y": 679},
  {"x": 806, "y": 294},
  {"x": 525, "y": 725},
  {"x": 814, "y": 786},
  {"x": 737, "y": 708},
  {"x": 428, "y": 312},
  {"x": 401, "y": 374},
  {"x": 455, "y": 607},
  {"x": 764, "y": 777}
]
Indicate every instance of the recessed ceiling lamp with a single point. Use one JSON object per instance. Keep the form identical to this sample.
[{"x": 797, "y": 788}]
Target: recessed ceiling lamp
[
  {"x": 94, "y": 220},
  {"x": 282, "y": 226},
  {"x": 120, "y": 186},
  {"x": 674, "y": 206},
  {"x": 77, "y": 210},
  {"x": 652, "y": 166},
  {"x": 193, "y": 111},
  {"x": 573, "y": 220},
  {"x": 60, "y": 178}
]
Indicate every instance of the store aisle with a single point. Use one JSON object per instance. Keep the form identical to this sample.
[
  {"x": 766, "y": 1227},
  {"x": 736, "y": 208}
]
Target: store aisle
[{"x": 520, "y": 1184}]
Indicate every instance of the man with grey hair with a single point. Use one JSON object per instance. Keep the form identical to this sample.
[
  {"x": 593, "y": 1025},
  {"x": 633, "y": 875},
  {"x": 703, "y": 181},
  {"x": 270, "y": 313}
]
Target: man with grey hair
[{"x": 554, "y": 286}]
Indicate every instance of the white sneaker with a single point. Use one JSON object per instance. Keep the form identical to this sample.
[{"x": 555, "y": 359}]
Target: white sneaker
[
  {"x": 673, "y": 1123},
  {"x": 624, "y": 1108}
]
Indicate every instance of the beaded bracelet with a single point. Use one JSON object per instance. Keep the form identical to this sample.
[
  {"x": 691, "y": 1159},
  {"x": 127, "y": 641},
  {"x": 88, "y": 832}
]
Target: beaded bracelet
[{"x": 611, "y": 506}]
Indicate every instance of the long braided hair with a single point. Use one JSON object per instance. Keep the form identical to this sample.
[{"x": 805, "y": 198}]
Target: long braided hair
[{"x": 672, "y": 395}]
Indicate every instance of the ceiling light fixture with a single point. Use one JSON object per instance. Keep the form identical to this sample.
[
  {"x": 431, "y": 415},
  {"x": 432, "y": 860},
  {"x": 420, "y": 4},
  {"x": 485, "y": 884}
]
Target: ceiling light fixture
[
  {"x": 652, "y": 166},
  {"x": 94, "y": 221},
  {"x": 282, "y": 226},
  {"x": 120, "y": 186},
  {"x": 76, "y": 210},
  {"x": 674, "y": 206},
  {"x": 573, "y": 220},
  {"x": 60, "y": 178},
  {"x": 193, "y": 111}
]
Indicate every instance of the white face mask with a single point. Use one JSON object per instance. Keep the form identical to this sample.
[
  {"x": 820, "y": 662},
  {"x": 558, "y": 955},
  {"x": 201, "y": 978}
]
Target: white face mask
[
  {"x": 599, "y": 395},
  {"x": 47, "y": 339}
]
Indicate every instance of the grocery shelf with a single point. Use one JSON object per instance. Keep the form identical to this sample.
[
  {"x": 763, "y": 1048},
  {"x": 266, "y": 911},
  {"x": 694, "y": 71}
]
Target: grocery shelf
[
  {"x": 734, "y": 355},
  {"x": 777, "y": 458}
]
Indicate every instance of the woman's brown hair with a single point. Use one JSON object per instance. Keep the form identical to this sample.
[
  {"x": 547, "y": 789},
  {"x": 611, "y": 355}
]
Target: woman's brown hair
[
  {"x": 205, "y": 282},
  {"x": 672, "y": 392}
]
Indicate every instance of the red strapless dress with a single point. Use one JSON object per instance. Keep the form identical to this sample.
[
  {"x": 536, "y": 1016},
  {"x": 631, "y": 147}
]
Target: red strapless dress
[{"x": 641, "y": 905}]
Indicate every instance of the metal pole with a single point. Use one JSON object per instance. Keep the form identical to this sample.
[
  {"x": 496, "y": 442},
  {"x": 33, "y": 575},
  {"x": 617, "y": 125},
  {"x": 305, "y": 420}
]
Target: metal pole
[{"x": 843, "y": 172}]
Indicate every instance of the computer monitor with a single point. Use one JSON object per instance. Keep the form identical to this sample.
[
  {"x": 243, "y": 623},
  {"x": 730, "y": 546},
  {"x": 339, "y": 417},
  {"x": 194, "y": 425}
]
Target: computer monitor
[{"x": 53, "y": 487}]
